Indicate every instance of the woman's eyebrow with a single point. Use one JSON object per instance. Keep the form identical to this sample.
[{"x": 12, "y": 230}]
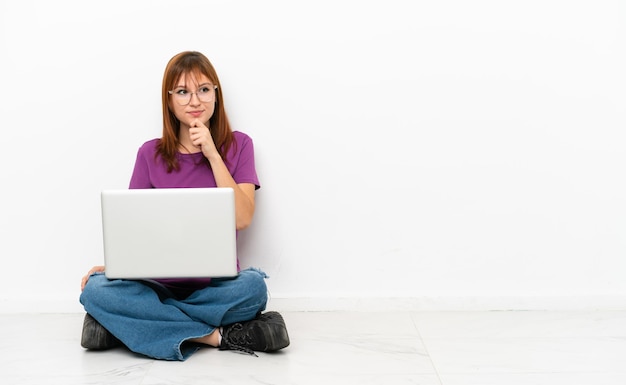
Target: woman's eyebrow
[{"x": 199, "y": 85}]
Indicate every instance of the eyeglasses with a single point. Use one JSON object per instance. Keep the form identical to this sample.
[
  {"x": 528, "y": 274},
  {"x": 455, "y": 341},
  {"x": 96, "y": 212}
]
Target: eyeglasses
[{"x": 183, "y": 97}]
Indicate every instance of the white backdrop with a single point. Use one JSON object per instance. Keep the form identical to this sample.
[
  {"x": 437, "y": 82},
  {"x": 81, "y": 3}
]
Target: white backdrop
[{"x": 450, "y": 154}]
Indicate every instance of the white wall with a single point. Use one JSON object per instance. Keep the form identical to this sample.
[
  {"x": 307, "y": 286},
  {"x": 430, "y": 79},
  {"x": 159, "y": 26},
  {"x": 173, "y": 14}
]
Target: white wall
[{"x": 440, "y": 154}]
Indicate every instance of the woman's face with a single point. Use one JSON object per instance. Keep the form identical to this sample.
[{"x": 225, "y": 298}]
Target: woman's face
[{"x": 193, "y": 97}]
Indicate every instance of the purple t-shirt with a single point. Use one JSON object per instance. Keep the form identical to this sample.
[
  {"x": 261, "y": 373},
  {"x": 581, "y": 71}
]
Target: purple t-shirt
[{"x": 151, "y": 172}]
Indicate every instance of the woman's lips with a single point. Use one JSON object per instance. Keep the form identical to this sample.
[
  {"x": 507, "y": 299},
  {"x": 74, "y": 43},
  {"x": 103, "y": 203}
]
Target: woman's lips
[{"x": 195, "y": 114}]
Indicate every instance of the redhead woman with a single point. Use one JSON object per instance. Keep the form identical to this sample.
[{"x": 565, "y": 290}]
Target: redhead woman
[{"x": 170, "y": 319}]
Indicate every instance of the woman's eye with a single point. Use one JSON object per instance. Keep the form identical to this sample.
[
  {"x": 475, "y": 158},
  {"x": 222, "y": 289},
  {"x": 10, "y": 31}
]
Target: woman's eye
[
  {"x": 204, "y": 90},
  {"x": 181, "y": 91}
]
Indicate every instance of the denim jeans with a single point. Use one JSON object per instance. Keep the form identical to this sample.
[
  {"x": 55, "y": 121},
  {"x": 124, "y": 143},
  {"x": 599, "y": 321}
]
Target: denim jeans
[{"x": 149, "y": 320}]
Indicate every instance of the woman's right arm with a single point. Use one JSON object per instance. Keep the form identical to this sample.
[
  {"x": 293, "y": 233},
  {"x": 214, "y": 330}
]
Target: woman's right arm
[
  {"x": 93, "y": 270},
  {"x": 141, "y": 175}
]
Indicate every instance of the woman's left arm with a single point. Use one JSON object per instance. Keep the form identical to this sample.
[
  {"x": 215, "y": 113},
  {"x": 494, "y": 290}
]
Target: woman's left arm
[{"x": 244, "y": 192}]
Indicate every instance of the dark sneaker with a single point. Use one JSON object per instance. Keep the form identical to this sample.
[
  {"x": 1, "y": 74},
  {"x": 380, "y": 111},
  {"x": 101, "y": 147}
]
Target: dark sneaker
[
  {"x": 96, "y": 337},
  {"x": 266, "y": 333}
]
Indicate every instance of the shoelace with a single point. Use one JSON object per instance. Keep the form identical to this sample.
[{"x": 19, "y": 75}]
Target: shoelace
[{"x": 234, "y": 338}]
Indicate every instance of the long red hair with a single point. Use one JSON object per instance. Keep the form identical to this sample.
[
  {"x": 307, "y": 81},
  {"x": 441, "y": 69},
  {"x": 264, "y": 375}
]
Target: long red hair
[{"x": 195, "y": 63}]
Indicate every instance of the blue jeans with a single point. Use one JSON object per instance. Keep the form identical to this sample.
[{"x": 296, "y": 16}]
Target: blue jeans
[{"x": 149, "y": 320}]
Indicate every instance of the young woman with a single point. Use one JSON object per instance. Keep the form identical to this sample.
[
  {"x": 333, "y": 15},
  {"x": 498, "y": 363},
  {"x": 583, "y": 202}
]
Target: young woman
[{"x": 171, "y": 318}]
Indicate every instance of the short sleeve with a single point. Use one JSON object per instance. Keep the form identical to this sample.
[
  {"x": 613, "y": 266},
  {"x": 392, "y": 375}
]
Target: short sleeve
[
  {"x": 242, "y": 165},
  {"x": 141, "y": 171}
]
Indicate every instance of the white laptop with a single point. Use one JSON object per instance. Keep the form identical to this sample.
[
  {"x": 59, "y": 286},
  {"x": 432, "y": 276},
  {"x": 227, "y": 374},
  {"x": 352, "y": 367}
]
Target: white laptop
[{"x": 169, "y": 233}]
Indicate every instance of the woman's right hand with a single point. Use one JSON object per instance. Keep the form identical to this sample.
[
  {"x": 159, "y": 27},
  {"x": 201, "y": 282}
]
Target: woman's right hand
[{"x": 95, "y": 269}]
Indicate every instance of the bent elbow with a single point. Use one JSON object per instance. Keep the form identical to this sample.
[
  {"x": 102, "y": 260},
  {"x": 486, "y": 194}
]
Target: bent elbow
[{"x": 243, "y": 223}]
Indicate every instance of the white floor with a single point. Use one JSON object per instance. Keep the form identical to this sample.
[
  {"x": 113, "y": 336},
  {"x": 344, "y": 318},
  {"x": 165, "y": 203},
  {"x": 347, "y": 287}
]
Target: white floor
[{"x": 444, "y": 348}]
